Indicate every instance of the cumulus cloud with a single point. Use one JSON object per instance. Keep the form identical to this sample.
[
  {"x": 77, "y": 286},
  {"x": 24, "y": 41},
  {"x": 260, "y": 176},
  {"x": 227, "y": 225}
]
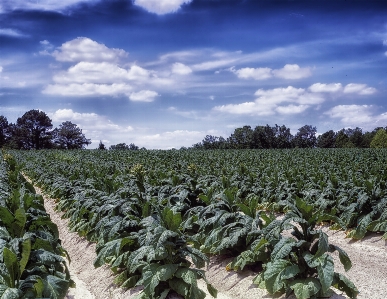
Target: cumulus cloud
[
  {"x": 361, "y": 89},
  {"x": 171, "y": 139},
  {"x": 143, "y": 96},
  {"x": 292, "y": 71},
  {"x": 253, "y": 73},
  {"x": 97, "y": 72},
  {"x": 358, "y": 115},
  {"x": 181, "y": 69},
  {"x": 289, "y": 71},
  {"x": 289, "y": 100},
  {"x": 321, "y": 87},
  {"x": 85, "y": 49},
  {"x": 161, "y": 7}
]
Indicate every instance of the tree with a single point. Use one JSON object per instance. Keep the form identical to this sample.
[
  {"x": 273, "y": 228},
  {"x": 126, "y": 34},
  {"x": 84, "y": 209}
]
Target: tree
[
  {"x": 69, "y": 136},
  {"x": 305, "y": 137},
  {"x": 326, "y": 140},
  {"x": 241, "y": 138},
  {"x": 380, "y": 139},
  {"x": 101, "y": 146},
  {"x": 4, "y": 130},
  {"x": 32, "y": 130}
]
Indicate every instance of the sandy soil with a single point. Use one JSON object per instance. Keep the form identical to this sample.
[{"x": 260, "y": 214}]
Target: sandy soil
[{"x": 369, "y": 271}]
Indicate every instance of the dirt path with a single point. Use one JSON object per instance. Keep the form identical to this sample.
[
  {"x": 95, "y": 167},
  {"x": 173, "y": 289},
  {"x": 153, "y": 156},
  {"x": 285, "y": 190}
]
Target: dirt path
[{"x": 369, "y": 271}]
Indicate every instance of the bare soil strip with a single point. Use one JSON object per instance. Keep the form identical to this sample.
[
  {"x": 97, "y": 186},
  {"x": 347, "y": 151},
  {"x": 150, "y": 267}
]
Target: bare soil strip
[{"x": 369, "y": 271}]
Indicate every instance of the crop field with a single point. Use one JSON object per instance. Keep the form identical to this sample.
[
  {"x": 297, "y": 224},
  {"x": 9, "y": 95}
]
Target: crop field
[{"x": 157, "y": 216}]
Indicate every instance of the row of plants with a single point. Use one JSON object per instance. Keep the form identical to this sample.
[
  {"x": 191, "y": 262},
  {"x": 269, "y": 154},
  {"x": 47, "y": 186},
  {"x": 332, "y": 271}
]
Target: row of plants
[
  {"x": 153, "y": 220},
  {"x": 32, "y": 260}
]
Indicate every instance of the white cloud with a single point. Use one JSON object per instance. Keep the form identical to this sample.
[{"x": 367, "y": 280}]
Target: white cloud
[
  {"x": 171, "y": 139},
  {"x": 101, "y": 72},
  {"x": 1, "y": 69},
  {"x": 291, "y": 109},
  {"x": 88, "y": 89},
  {"x": 143, "y": 96},
  {"x": 271, "y": 101},
  {"x": 181, "y": 69},
  {"x": 385, "y": 42},
  {"x": 358, "y": 116},
  {"x": 253, "y": 73},
  {"x": 49, "y": 5},
  {"x": 289, "y": 71},
  {"x": 321, "y": 87},
  {"x": 11, "y": 32},
  {"x": 292, "y": 71},
  {"x": 361, "y": 89},
  {"x": 161, "y": 7},
  {"x": 85, "y": 49}
]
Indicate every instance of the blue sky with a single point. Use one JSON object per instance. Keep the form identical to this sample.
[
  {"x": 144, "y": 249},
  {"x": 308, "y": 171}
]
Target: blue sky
[{"x": 165, "y": 73}]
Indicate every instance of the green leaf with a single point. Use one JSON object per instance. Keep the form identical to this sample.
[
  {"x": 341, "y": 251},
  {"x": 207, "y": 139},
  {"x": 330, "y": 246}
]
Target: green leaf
[
  {"x": 213, "y": 292},
  {"x": 154, "y": 274},
  {"x": 25, "y": 255},
  {"x": 305, "y": 288},
  {"x": 55, "y": 287},
  {"x": 12, "y": 265},
  {"x": 6, "y": 216},
  {"x": 342, "y": 283},
  {"x": 343, "y": 256},
  {"x": 276, "y": 274},
  {"x": 20, "y": 221},
  {"x": 378, "y": 226},
  {"x": 323, "y": 244},
  {"x": 9, "y": 293},
  {"x": 171, "y": 219},
  {"x": 325, "y": 270}
]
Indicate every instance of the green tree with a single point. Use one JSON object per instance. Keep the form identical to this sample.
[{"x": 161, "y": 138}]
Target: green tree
[
  {"x": 4, "y": 130},
  {"x": 70, "y": 136},
  {"x": 32, "y": 130},
  {"x": 101, "y": 146},
  {"x": 326, "y": 140},
  {"x": 241, "y": 138},
  {"x": 380, "y": 139},
  {"x": 305, "y": 137}
]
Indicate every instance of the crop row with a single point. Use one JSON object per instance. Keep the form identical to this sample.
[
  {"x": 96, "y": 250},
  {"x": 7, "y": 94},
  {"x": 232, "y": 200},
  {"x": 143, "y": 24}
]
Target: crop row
[
  {"x": 154, "y": 213},
  {"x": 32, "y": 258}
]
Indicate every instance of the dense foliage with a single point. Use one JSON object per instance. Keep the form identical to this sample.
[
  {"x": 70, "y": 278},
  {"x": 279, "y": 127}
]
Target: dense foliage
[
  {"x": 34, "y": 130},
  {"x": 280, "y": 137},
  {"x": 156, "y": 215},
  {"x": 32, "y": 263}
]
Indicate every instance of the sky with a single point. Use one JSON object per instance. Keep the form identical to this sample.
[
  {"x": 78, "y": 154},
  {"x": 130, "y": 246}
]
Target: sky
[{"x": 165, "y": 73}]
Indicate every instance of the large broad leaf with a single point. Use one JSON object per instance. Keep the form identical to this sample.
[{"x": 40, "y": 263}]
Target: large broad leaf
[
  {"x": 26, "y": 250},
  {"x": 9, "y": 293},
  {"x": 343, "y": 256},
  {"x": 12, "y": 265},
  {"x": 305, "y": 288},
  {"x": 305, "y": 209},
  {"x": 20, "y": 222},
  {"x": 55, "y": 287},
  {"x": 6, "y": 216},
  {"x": 172, "y": 219},
  {"x": 361, "y": 228},
  {"x": 344, "y": 284},
  {"x": 325, "y": 270},
  {"x": 378, "y": 226},
  {"x": 276, "y": 274},
  {"x": 153, "y": 274},
  {"x": 323, "y": 244}
]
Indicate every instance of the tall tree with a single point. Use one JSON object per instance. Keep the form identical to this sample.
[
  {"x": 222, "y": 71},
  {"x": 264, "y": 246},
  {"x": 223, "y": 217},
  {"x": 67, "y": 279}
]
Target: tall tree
[
  {"x": 380, "y": 139},
  {"x": 326, "y": 140},
  {"x": 241, "y": 138},
  {"x": 305, "y": 137},
  {"x": 32, "y": 130},
  {"x": 4, "y": 130},
  {"x": 70, "y": 136}
]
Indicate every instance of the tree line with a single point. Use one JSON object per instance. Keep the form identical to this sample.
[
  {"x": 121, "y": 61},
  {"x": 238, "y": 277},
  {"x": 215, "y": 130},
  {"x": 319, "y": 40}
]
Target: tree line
[
  {"x": 34, "y": 130},
  {"x": 280, "y": 137}
]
